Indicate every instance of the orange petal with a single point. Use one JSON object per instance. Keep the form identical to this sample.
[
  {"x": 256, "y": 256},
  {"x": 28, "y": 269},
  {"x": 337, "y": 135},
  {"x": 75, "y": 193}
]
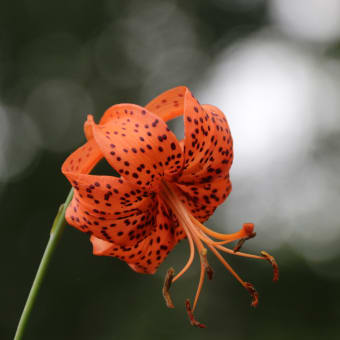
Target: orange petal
[
  {"x": 208, "y": 143},
  {"x": 179, "y": 101},
  {"x": 139, "y": 145},
  {"x": 202, "y": 199},
  {"x": 198, "y": 126},
  {"x": 169, "y": 104},
  {"x": 128, "y": 254},
  {"x": 161, "y": 241},
  {"x": 100, "y": 247},
  {"x": 111, "y": 195},
  {"x": 222, "y": 146},
  {"x": 145, "y": 256},
  {"x": 123, "y": 230},
  {"x": 81, "y": 161},
  {"x": 107, "y": 206}
]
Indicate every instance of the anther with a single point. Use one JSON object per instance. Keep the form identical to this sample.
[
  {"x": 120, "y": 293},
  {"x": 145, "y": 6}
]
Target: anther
[
  {"x": 273, "y": 262},
  {"x": 254, "y": 294},
  {"x": 207, "y": 267},
  {"x": 166, "y": 287},
  {"x": 192, "y": 319},
  {"x": 209, "y": 271},
  {"x": 241, "y": 242}
]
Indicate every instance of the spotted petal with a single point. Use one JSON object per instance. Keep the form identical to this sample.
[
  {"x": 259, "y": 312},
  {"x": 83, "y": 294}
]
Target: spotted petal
[
  {"x": 169, "y": 104},
  {"x": 207, "y": 144},
  {"x": 201, "y": 199},
  {"x": 106, "y": 206},
  {"x": 146, "y": 255},
  {"x": 221, "y": 145},
  {"x": 138, "y": 145},
  {"x": 122, "y": 229},
  {"x": 81, "y": 161}
]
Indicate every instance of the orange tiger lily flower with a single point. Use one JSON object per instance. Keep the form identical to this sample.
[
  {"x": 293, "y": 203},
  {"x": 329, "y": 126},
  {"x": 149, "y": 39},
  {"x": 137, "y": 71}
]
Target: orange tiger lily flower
[{"x": 166, "y": 189}]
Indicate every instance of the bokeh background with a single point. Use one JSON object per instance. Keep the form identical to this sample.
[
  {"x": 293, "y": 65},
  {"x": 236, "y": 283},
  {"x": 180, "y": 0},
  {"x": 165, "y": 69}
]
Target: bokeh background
[{"x": 272, "y": 66}]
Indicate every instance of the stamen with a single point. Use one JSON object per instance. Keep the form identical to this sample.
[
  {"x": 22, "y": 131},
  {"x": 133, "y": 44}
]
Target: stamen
[
  {"x": 192, "y": 319},
  {"x": 191, "y": 257},
  {"x": 197, "y": 233},
  {"x": 254, "y": 294},
  {"x": 265, "y": 256},
  {"x": 209, "y": 271},
  {"x": 192, "y": 234},
  {"x": 218, "y": 245},
  {"x": 273, "y": 262},
  {"x": 200, "y": 285},
  {"x": 248, "y": 227},
  {"x": 229, "y": 251},
  {"x": 204, "y": 265},
  {"x": 246, "y": 285},
  {"x": 166, "y": 287}
]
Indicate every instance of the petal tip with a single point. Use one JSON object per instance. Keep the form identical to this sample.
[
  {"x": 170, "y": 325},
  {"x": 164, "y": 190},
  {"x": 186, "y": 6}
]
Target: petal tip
[{"x": 88, "y": 127}]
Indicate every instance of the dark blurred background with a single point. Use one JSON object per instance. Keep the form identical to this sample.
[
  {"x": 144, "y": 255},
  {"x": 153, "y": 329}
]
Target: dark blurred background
[{"x": 272, "y": 66}]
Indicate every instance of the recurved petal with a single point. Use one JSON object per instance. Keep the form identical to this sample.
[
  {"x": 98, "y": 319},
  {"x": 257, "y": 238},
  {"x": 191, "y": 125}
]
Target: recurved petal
[
  {"x": 201, "y": 199},
  {"x": 122, "y": 228},
  {"x": 101, "y": 247},
  {"x": 111, "y": 195},
  {"x": 146, "y": 256},
  {"x": 107, "y": 206},
  {"x": 221, "y": 143},
  {"x": 169, "y": 104},
  {"x": 139, "y": 145},
  {"x": 207, "y": 144},
  {"x": 82, "y": 160},
  {"x": 180, "y": 101}
]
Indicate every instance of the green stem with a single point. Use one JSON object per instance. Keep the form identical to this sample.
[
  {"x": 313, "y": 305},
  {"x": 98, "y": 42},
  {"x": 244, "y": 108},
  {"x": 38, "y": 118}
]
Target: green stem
[{"x": 55, "y": 234}]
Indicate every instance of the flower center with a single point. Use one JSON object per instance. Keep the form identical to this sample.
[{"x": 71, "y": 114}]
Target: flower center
[{"x": 198, "y": 236}]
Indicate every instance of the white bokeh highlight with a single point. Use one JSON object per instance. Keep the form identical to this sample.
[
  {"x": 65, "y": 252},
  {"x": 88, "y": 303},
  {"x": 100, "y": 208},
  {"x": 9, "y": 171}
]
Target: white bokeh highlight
[
  {"x": 19, "y": 144},
  {"x": 312, "y": 20},
  {"x": 60, "y": 107},
  {"x": 278, "y": 100}
]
